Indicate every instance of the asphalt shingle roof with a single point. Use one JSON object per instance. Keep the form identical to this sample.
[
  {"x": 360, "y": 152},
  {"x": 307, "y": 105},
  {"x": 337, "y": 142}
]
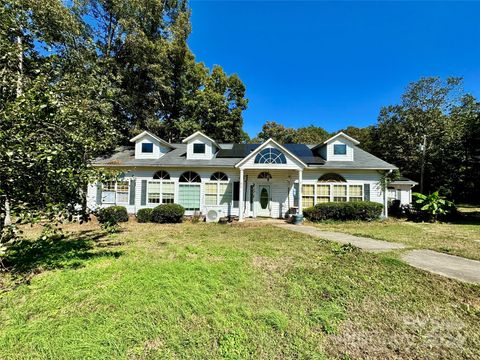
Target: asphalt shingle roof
[{"x": 230, "y": 154}]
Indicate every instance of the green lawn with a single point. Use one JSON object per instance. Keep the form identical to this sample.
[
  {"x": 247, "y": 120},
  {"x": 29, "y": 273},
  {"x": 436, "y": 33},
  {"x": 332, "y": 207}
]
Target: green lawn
[
  {"x": 221, "y": 291},
  {"x": 456, "y": 239}
]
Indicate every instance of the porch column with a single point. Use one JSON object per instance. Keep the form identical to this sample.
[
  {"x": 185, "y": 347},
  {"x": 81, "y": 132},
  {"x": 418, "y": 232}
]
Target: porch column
[
  {"x": 240, "y": 200},
  {"x": 300, "y": 179}
]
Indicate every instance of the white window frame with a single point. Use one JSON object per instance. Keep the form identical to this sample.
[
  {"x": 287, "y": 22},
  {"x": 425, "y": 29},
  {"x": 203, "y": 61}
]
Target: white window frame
[
  {"x": 161, "y": 182},
  {"x": 316, "y": 194},
  {"x": 218, "y": 194},
  {"x": 115, "y": 190}
]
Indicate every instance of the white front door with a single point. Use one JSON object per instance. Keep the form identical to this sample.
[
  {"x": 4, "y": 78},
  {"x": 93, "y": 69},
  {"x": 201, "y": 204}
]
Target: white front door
[{"x": 263, "y": 204}]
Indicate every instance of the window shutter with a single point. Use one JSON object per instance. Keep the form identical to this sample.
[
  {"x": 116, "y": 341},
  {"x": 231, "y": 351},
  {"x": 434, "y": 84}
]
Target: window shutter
[
  {"x": 143, "y": 197},
  {"x": 132, "y": 192},
  {"x": 366, "y": 192},
  {"x": 99, "y": 194}
]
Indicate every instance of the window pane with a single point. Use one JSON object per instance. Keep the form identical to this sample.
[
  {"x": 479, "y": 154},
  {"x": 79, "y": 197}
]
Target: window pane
[
  {"x": 108, "y": 197},
  {"x": 147, "y": 148},
  {"x": 308, "y": 189},
  {"x": 122, "y": 185},
  {"x": 307, "y": 201},
  {"x": 323, "y": 199},
  {"x": 167, "y": 198},
  {"x": 323, "y": 190},
  {"x": 211, "y": 188},
  {"x": 168, "y": 187},
  {"x": 339, "y": 199},
  {"x": 154, "y": 198},
  {"x": 356, "y": 190},
  {"x": 356, "y": 199},
  {"x": 122, "y": 197},
  {"x": 109, "y": 186},
  {"x": 340, "y": 149},
  {"x": 225, "y": 192},
  {"x": 189, "y": 196},
  {"x": 153, "y": 187},
  {"x": 199, "y": 148},
  {"x": 339, "y": 190},
  {"x": 210, "y": 199}
]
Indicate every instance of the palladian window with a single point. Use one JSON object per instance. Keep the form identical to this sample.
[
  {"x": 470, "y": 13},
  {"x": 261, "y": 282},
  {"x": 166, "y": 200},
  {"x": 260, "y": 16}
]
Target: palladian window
[{"x": 270, "y": 156}]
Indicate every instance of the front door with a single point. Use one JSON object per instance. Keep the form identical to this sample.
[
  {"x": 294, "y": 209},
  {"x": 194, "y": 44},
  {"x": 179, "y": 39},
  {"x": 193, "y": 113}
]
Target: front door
[{"x": 263, "y": 200}]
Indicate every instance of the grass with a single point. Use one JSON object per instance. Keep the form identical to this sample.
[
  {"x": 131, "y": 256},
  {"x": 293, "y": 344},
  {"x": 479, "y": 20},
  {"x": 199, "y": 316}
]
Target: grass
[
  {"x": 456, "y": 239},
  {"x": 234, "y": 292}
]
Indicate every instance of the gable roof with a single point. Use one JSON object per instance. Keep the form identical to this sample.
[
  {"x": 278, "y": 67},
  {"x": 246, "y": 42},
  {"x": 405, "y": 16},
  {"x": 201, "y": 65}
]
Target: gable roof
[
  {"x": 146, "y": 133},
  {"x": 196, "y": 133},
  {"x": 342, "y": 134},
  {"x": 263, "y": 146}
]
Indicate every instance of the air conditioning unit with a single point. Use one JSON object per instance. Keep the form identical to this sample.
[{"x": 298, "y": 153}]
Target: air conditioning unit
[{"x": 213, "y": 214}]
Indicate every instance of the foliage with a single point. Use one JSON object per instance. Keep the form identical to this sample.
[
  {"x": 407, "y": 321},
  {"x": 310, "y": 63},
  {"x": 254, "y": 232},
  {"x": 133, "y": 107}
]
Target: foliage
[
  {"x": 144, "y": 215},
  {"x": 438, "y": 113},
  {"x": 168, "y": 214},
  {"x": 110, "y": 216},
  {"x": 358, "y": 210},
  {"x": 433, "y": 204},
  {"x": 163, "y": 89},
  {"x": 305, "y": 135}
]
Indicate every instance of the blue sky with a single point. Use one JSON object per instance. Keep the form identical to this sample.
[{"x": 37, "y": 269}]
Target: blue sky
[{"x": 334, "y": 64}]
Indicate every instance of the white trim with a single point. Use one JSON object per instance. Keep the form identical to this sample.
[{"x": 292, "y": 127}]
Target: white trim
[
  {"x": 187, "y": 139},
  {"x": 267, "y": 166},
  {"x": 341, "y": 133},
  {"x": 146, "y": 133}
]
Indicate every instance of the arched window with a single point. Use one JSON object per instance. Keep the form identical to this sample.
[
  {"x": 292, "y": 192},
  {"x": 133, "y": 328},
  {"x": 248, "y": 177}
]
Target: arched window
[
  {"x": 161, "y": 175},
  {"x": 219, "y": 176},
  {"x": 189, "y": 177},
  {"x": 189, "y": 190},
  {"x": 270, "y": 156},
  {"x": 265, "y": 175},
  {"x": 331, "y": 177},
  {"x": 161, "y": 190},
  {"x": 218, "y": 191}
]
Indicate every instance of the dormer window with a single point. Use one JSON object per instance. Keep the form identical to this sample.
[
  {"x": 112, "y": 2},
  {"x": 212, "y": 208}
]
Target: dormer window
[
  {"x": 199, "y": 148},
  {"x": 147, "y": 148},
  {"x": 340, "y": 149}
]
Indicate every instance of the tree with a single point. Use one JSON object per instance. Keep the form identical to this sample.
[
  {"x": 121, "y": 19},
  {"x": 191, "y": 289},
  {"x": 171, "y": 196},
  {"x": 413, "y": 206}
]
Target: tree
[
  {"x": 56, "y": 118},
  {"x": 366, "y": 136},
  {"x": 421, "y": 136},
  {"x": 276, "y": 131},
  {"x": 143, "y": 46},
  {"x": 310, "y": 135}
]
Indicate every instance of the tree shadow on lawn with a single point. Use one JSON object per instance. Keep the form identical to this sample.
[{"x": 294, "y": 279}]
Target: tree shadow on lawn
[{"x": 68, "y": 251}]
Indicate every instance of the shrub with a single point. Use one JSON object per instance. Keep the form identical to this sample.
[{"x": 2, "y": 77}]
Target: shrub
[
  {"x": 433, "y": 206},
  {"x": 112, "y": 215},
  {"x": 144, "y": 215},
  {"x": 168, "y": 214},
  {"x": 358, "y": 210}
]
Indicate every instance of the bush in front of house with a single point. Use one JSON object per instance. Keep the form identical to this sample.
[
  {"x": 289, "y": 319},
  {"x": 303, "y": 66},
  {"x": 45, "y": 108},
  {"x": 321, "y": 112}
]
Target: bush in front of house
[
  {"x": 112, "y": 215},
  {"x": 358, "y": 210},
  {"x": 168, "y": 214},
  {"x": 144, "y": 215}
]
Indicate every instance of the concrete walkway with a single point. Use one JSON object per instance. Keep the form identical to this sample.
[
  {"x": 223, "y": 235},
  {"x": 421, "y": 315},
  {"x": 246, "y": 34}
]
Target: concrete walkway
[{"x": 450, "y": 266}]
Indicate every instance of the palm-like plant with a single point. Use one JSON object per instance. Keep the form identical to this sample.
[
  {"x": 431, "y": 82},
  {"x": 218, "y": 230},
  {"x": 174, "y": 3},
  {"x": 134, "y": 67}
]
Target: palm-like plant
[{"x": 433, "y": 204}]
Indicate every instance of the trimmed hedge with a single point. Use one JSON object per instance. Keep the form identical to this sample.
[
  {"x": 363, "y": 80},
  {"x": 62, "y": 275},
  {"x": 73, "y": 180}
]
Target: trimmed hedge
[
  {"x": 168, "y": 214},
  {"x": 112, "y": 215},
  {"x": 357, "y": 210},
  {"x": 144, "y": 215}
]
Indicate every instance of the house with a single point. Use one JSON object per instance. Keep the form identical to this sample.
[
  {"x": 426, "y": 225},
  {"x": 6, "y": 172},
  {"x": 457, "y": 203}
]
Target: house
[{"x": 244, "y": 180}]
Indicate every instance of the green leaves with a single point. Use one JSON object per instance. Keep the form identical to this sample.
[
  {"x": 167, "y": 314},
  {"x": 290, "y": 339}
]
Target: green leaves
[{"x": 433, "y": 204}]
